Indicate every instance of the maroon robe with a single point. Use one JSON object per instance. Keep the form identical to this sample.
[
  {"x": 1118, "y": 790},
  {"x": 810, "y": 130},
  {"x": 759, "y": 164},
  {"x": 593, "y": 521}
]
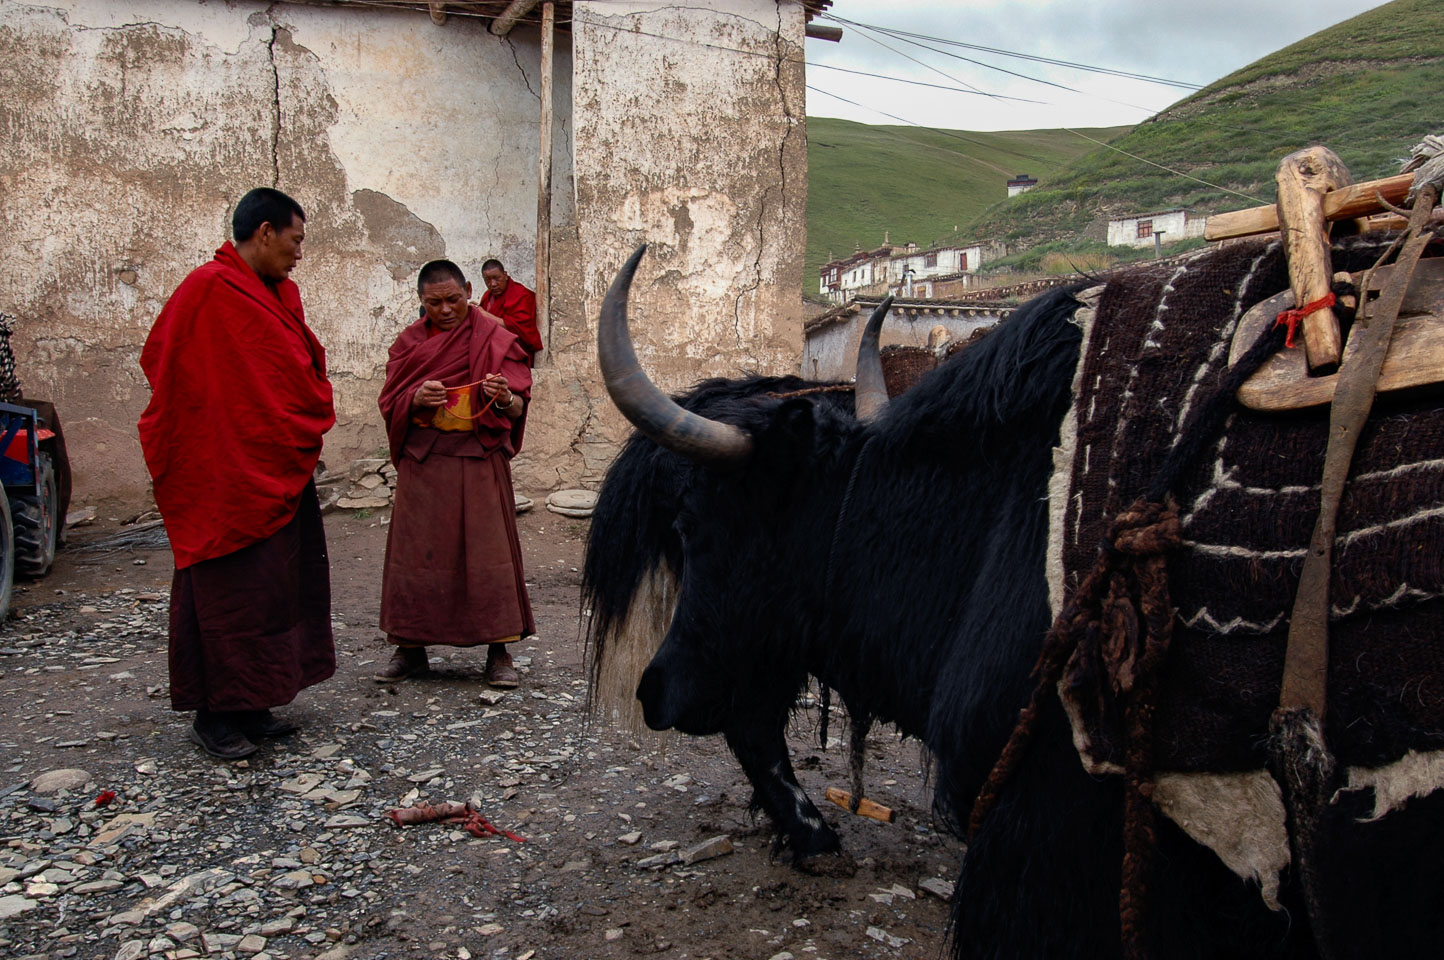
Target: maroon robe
[
  {"x": 231, "y": 436},
  {"x": 453, "y": 573}
]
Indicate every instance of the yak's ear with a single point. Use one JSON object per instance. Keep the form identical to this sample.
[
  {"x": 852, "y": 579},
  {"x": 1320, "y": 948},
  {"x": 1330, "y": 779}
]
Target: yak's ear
[{"x": 794, "y": 421}]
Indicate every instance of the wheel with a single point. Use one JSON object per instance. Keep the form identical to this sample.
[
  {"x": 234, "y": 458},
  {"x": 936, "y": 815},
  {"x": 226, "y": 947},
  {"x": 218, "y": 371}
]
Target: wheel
[
  {"x": 7, "y": 558},
  {"x": 35, "y": 524}
]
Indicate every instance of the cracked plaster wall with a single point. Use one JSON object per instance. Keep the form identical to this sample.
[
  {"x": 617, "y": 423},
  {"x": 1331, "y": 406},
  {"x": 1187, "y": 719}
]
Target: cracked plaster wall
[
  {"x": 701, "y": 152},
  {"x": 131, "y": 128}
]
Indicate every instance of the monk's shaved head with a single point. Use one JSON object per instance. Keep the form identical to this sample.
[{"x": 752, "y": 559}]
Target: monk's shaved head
[{"x": 438, "y": 271}]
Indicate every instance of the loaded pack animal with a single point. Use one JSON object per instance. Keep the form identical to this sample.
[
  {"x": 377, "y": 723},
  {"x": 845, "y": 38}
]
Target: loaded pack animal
[{"x": 1068, "y": 470}]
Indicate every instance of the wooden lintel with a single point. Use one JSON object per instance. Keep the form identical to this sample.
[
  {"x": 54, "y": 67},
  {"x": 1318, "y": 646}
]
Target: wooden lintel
[{"x": 514, "y": 11}]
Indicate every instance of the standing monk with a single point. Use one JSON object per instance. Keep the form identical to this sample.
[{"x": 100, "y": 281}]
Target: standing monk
[
  {"x": 513, "y": 305},
  {"x": 455, "y": 407},
  {"x": 231, "y": 436}
]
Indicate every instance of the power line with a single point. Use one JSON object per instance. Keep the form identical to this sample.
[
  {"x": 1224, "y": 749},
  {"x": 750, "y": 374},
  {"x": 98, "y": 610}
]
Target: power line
[
  {"x": 900, "y": 34},
  {"x": 1160, "y": 166},
  {"x": 941, "y": 132},
  {"x": 922, "y": 83},
  {"x": 1011, "y": 73}
]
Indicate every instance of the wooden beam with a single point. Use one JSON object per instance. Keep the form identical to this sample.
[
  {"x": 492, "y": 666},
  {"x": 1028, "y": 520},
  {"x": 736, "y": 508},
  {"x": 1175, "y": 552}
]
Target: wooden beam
[
  {"x": 1359, "y": 200},
  {"x": 544, "y": 185},
  {"x": 438, "y": 12},
  {"x": 818, "y": 31},
  {"x": 514, "y": 11}
]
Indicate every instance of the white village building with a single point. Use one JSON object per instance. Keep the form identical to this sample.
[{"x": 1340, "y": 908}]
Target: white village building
[
  {"x": 903, "y": 271},
  {"x": 1139, "y": 229}
]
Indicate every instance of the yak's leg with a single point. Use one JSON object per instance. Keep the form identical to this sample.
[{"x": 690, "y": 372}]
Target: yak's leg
[
  {"x": 857, "y": 755},
  {"x": 801, "y": 831}
]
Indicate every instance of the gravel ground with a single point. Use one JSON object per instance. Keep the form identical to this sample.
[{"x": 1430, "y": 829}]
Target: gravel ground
[{"x": 290, "y": 854}]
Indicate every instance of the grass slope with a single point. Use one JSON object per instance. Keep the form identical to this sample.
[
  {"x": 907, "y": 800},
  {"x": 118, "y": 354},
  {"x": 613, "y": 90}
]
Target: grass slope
[
  {"x": 916, "y": 184},
  {"x": 1361, "y": 88}
]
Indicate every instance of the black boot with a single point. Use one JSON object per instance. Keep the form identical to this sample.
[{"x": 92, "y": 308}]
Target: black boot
[
  {"x": 263, "y": 723},
  {"x": 219, "y": 735}
]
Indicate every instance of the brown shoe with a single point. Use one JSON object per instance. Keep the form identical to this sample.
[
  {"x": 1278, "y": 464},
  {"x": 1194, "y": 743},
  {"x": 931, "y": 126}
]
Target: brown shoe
[
  {"x": 499, "y": 670},
  {"x": 405, "y": 662}
]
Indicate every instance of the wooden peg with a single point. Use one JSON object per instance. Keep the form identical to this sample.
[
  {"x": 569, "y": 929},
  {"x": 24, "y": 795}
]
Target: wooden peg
[
  {"x": 865, "y": 807},
  {"x": 1304, "y": 177}
]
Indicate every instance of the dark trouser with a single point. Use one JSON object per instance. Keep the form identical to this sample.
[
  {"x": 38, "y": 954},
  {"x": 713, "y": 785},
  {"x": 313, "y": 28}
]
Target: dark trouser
[{"x": 251, "y": 629}]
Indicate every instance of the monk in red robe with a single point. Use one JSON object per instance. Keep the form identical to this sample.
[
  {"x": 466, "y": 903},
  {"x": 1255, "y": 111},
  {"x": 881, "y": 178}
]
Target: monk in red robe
[
  {"x": 231, "y": 436},
  {"x": 455, "y": 402},
  {"x": 513, "y": 305}
]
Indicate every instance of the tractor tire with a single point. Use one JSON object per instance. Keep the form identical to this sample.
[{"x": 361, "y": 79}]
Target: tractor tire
[
  {"x": 7, "y": 558},
  {"x": 36, "y": 525}
]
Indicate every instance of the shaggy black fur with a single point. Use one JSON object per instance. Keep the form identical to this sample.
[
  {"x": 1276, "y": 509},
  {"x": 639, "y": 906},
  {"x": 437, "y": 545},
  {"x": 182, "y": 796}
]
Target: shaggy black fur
[
  {"x": 637, "y": 526},
  {"x": 932, "y": 618}
]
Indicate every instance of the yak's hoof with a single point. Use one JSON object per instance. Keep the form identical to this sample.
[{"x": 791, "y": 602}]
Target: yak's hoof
[{"x": 828, "y": 865}]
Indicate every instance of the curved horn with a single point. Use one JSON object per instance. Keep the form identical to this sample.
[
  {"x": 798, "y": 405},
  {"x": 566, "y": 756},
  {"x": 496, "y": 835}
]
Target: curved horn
[
  {"x": 639, "y": 399},
  {"x": 870, "y": 395}
]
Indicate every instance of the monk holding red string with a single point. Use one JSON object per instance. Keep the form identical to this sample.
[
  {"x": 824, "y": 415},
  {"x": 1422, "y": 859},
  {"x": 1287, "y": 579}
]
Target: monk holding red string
[
  {"x": 455, "y": 401},
  {"x": 231, "y": 436}
]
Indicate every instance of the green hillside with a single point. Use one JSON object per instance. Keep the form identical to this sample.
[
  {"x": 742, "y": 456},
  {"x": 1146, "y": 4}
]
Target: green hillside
[
  {"x": 917, "y": 184},
  {"x": 1360, "y": 88}
]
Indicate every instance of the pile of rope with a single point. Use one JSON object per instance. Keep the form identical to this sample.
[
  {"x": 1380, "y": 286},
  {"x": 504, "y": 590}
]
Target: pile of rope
[
  {"x": 9, "y": 382},
  {"x": 140, "y": 536}
]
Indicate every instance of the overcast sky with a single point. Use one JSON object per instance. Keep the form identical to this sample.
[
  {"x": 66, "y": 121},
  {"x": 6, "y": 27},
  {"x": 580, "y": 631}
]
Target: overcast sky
[{"x": 1194, "y": 41}]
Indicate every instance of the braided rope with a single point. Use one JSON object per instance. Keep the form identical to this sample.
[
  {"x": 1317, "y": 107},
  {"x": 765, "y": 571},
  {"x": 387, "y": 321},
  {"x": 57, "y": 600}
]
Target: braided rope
[{"x": 10, "y": 391}]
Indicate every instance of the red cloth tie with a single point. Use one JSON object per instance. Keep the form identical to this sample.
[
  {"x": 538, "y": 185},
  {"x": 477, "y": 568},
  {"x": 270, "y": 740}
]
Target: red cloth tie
[{"x": 1292, "y": 318}]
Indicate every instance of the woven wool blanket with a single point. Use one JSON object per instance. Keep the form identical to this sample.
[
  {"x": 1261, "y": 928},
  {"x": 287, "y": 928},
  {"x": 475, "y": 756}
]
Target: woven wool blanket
[{"x": 1155, "y": 347}]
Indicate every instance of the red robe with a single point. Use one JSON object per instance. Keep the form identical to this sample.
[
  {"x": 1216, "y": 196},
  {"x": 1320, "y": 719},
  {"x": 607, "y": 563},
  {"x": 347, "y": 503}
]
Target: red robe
[
  {"x": 240, "y": 401},
  {"x": 517, "y": 309},
  {"x": 453, "y": 572}
]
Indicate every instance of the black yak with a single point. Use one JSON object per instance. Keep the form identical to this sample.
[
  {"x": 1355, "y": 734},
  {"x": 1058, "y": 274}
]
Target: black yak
[{"x": 902, "y": 563}]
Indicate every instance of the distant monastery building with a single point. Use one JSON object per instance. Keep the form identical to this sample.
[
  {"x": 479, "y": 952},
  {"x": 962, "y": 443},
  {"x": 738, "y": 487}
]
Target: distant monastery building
[
  {"x": 1022, "y": 183},
  {"x": 906, "y": 271}
]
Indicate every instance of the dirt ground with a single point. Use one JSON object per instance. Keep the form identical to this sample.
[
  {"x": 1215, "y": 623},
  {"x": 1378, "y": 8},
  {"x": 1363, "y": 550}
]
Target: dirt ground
[{"x": 290, "y": 855}]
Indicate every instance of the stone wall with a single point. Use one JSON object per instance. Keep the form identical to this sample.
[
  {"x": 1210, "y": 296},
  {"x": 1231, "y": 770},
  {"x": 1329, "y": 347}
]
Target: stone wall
[{"x": 133, "y": 126}]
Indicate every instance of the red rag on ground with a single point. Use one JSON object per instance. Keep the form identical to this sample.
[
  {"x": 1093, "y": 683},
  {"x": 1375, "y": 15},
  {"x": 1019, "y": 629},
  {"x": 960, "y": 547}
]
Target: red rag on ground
[
  {"x": 241, "y": 400},
  {"x": 468, "y": 816}
]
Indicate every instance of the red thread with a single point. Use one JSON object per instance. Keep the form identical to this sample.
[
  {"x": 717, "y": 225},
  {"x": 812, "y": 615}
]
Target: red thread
[{"x": 1292, "y": 318}]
